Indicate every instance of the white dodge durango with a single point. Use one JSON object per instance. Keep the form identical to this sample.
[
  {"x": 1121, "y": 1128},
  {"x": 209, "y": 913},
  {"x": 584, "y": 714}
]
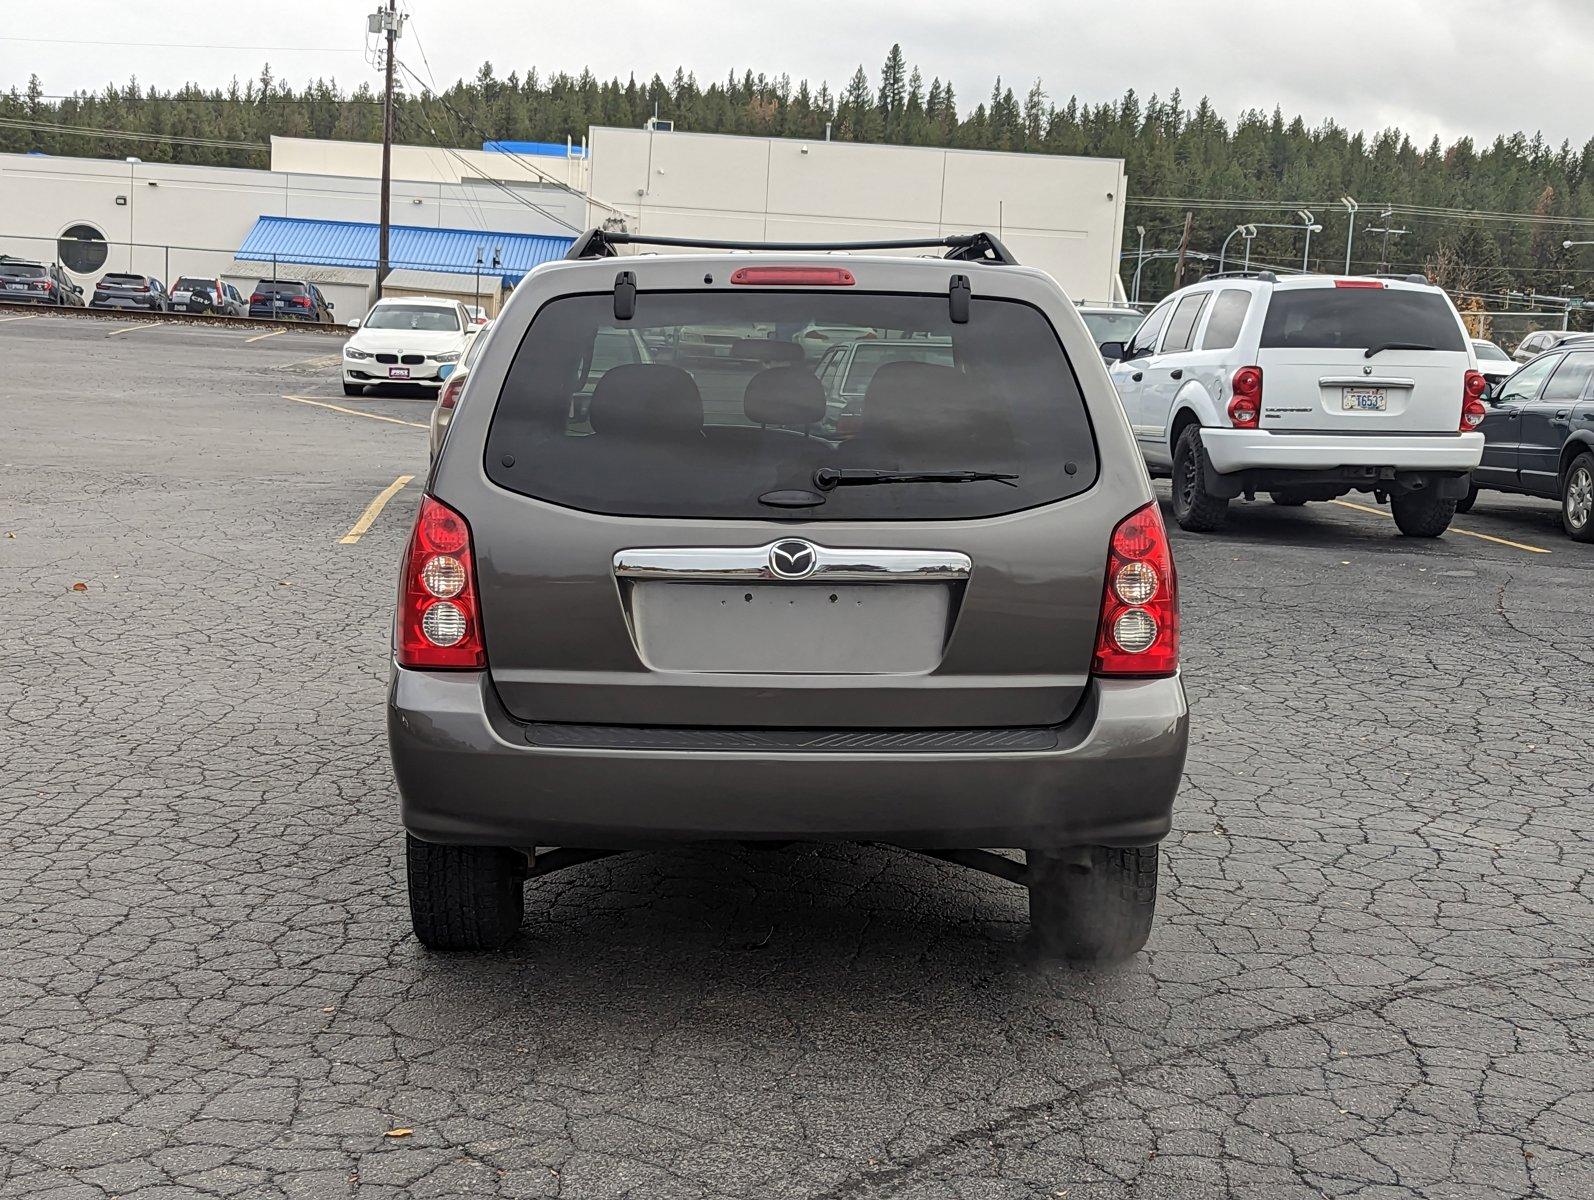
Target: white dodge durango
[{"x": 405, "y": 341}]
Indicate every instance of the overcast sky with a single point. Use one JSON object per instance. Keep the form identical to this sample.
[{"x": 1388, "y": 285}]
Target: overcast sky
[{"x": 1451, "y": 67}]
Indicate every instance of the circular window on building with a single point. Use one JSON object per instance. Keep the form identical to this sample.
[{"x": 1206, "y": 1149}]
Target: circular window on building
[{"x": 82, "y": 249}]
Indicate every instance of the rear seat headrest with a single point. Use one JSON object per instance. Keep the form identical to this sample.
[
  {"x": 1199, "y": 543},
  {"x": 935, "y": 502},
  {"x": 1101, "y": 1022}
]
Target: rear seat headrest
[
  {"x": 914, "y": 400},
  {"x": 650, "y": 399},
  {"x": 784, "y": 396}
]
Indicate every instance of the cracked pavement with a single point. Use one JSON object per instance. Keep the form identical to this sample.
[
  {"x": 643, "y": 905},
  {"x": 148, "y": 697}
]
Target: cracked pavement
[{"x": 1371, "y": 974}]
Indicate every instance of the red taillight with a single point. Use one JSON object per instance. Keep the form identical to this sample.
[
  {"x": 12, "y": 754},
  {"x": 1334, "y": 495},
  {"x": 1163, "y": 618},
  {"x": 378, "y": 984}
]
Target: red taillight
[
  {"x": 451, "y": 391},
  {"x": 47, "y": 285},
  {"x": 1358, "y": 283},
  {"x": 256, "y": 298},
  {"x": 1245, "y": 407},
  {"x": 300, "y": 302},
  {"x": 795, "y": 276},
  {"x": 1138, "y": 633},
  {"x": 1473, "y": 385},
  {"x": 439, "y": 618}
]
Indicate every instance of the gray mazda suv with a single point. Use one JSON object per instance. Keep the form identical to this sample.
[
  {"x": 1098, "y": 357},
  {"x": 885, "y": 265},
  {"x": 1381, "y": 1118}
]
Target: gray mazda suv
[{"x": 652, "y": 601}]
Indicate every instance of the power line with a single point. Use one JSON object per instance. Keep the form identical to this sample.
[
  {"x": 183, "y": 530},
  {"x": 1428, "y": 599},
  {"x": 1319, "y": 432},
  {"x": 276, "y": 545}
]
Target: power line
[
  {"x": 177, "y": 45},
  {"x": 126, "y": 135}
]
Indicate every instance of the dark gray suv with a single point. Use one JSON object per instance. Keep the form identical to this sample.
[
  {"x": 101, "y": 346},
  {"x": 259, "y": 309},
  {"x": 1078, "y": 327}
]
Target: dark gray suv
[{"x": 683, "y": 611}]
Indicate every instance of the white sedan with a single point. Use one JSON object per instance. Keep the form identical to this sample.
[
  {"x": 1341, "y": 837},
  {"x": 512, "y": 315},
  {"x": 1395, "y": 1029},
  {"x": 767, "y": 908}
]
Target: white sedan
[{"x": 405, "y": 341}]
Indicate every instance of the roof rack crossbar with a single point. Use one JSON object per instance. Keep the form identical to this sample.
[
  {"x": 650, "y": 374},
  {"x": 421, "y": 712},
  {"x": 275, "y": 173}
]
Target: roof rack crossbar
[
  {"x": 964, "y": 247},
  {"x": 1264, "y": 276}
]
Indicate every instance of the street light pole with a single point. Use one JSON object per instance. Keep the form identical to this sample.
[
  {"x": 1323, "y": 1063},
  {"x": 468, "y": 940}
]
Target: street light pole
[
  {"x": 387, "y": 22},
  {"x": 1306, "y": 254},
  {"x": 1140, "y": 260},
  {"x": 1350, "y": 232},
  {"x": 1223, "y": 251}
]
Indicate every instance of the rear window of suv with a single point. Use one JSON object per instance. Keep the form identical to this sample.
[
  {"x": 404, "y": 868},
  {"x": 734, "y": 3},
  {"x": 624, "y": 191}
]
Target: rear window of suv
[
  {"x": 283, "y": 287},
  {"x": 22, "y": 270},
  {"x": 1359, "y": 318},
  {"x": 720, "y": 404}
]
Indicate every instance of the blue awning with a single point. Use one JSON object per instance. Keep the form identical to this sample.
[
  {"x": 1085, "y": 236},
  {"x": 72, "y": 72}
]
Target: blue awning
[{"x": 354, "y": 244}]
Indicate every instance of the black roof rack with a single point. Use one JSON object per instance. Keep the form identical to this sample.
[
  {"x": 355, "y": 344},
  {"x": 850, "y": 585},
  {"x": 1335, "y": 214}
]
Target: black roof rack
[
  {"x": 964, "y": 247},
  {"x": 1263, "y": 276}
]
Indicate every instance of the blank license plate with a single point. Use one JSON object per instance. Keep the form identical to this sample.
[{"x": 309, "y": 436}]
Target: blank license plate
[{"x": 1365, "y": 400}]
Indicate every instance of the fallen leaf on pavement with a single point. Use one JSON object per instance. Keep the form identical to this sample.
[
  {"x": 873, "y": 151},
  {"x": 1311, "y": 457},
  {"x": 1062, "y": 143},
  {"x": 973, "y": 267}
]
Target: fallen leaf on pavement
[
  {"x": 405, "y": 1132},
  {"x": 80, "y": 587}
]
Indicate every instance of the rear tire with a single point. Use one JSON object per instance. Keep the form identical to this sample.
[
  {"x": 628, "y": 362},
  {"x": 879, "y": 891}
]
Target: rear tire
[
  {"x": 1195, "y": 508},
  {"x": 353, "y": 389},
  {"x": 464, "y": 897},
  {"x": 1422, "y": 514},
  {"x": 1464, "y": 505},
  {"x": 1577, "y": 499},
  {"x": 1096, "y": 913},
  {"x": 1287, "y": 499}
]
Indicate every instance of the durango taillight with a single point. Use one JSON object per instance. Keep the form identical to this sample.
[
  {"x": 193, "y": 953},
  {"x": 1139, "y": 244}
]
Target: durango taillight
[
  {"x": 1245, "y": 406},
  {"x": 1472, "y": 409},
  {"x": 1138, "y": 632},
  {"x": 439, "y": 620}
]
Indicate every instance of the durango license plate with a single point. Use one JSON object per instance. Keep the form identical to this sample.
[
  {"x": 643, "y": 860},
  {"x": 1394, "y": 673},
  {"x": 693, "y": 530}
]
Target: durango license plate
[
  {"x": 398, "y": 372},
  {"x": 1360, "y": 399}
]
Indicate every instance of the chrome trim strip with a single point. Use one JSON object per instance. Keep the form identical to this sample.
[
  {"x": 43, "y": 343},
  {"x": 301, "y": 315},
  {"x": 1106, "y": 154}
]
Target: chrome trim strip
[
  {"x": 1361, "y": 381},
  {"x": 743, "y": 564}
]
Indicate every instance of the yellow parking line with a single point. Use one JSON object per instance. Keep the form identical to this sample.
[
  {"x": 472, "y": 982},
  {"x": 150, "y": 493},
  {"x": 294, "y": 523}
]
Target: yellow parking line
[
  {"x": 136, "y": 328},
  {"x": 260, "y": 337},
  {"x": 354, "y": 412},
  {"x": 1483, "y": 537},
  {"x": 373, "y": 510},
  {"x": 28, "y": 317}
]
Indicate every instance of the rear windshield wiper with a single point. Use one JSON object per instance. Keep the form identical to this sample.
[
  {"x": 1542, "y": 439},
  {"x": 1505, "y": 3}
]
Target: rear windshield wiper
[
  {"x": 1372, "y": 350},
  {"x": 826, "y": 478}
]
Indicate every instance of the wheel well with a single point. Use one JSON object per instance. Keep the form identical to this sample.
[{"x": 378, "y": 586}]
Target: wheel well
[
  {"x": 1571, "y": 451},
  {"x": 1185, "y": 418}
]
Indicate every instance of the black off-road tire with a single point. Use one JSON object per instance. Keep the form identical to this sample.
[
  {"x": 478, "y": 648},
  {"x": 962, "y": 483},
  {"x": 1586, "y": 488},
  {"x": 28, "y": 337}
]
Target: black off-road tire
[
  {"x": 1464, "y": 505},
  {"x": 1422, "y": 514},
  {"x": 1096, "y": 913},
  {"x": 1195, "y": 508},
  {"x": 1577, "y": 499},
  {"x": 353, "y": 389},
  {"x": 1287, "y": 499},
  {"x": 464, "y": 897}
]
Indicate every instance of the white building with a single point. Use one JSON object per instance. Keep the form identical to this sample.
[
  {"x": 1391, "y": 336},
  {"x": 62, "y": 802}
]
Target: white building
[
  {"x": 496, "y": 212},
  {"x": 1064, "y": 215}
]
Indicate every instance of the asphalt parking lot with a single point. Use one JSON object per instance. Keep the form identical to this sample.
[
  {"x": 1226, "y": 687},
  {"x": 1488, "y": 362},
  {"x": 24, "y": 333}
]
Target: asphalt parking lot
[{"x": 1371, "y": 974}]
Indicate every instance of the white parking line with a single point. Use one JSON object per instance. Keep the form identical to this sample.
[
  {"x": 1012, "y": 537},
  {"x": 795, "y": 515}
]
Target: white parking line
[
  {"x": 260, "y": 337},
  {"x": 28, "y": 317},
  {"x": 354, "y": 412},
  {"x": 373, "y": 510},
  {"x": 136, "y": 328}
]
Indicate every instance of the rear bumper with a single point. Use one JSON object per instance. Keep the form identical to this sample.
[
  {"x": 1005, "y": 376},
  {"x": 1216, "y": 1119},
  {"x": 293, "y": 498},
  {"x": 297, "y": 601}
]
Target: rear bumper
[
  {"x": 1231, "y": 450},
  {"x": 467, "y": 773}
]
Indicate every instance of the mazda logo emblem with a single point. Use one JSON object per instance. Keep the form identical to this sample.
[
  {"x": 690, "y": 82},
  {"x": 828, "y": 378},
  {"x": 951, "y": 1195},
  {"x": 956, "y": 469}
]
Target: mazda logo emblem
[{"x": 792, "y": 560}]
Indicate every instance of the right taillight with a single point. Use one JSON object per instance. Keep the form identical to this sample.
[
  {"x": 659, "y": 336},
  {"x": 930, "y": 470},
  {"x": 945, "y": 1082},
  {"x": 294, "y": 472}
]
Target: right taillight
[
  {"x": 1472, "y": 408},
  {"x": 439, "y": 620},
  {"x": 1245, "y": 405},
  {"x": 1138, "y": 632}
]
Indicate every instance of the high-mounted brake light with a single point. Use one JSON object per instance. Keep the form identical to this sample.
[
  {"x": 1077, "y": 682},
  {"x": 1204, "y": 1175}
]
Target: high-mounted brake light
[
  {"x": 1473, "y": 386},
  {"x": 1245, "y": 408},
  {"x": 439, "y": 619},
  {"x": 1137, "y": 634},
  {"x": 1358, "y": 283},
  {"x": 794, "y": 276}
]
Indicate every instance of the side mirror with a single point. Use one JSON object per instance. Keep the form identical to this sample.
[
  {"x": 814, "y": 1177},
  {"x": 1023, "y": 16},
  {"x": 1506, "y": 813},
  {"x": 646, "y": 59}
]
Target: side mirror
[
  {"x": 354, "y": 324},
  {"x": 444, "y": 371},
  {"x": 1114, "y": 351},
  {"x": 330, "y": 306}
]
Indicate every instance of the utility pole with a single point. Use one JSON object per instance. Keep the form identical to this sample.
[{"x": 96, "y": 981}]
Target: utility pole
[
  {"x": 1184, "y": 249},
  {"x": 388, "y": 23},
  {"x": 1383, "y": 262}
]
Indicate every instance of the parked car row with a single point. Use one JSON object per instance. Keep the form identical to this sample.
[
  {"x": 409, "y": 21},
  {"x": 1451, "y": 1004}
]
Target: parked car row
[{"x": 37, "y": 283}]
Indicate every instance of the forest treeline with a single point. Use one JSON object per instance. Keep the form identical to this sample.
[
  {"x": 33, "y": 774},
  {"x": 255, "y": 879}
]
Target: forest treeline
[{"x": 1515, "y": 200}]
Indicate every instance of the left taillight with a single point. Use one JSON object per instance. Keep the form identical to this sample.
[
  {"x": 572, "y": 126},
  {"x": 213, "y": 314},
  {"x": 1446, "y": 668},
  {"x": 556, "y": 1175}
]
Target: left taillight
[
  {"x": 1472, "y": 408},
  {"x": 451, "y": 391},
  {"x": 439, "y": 620},
  {"x": 1137, "y": 634}
]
